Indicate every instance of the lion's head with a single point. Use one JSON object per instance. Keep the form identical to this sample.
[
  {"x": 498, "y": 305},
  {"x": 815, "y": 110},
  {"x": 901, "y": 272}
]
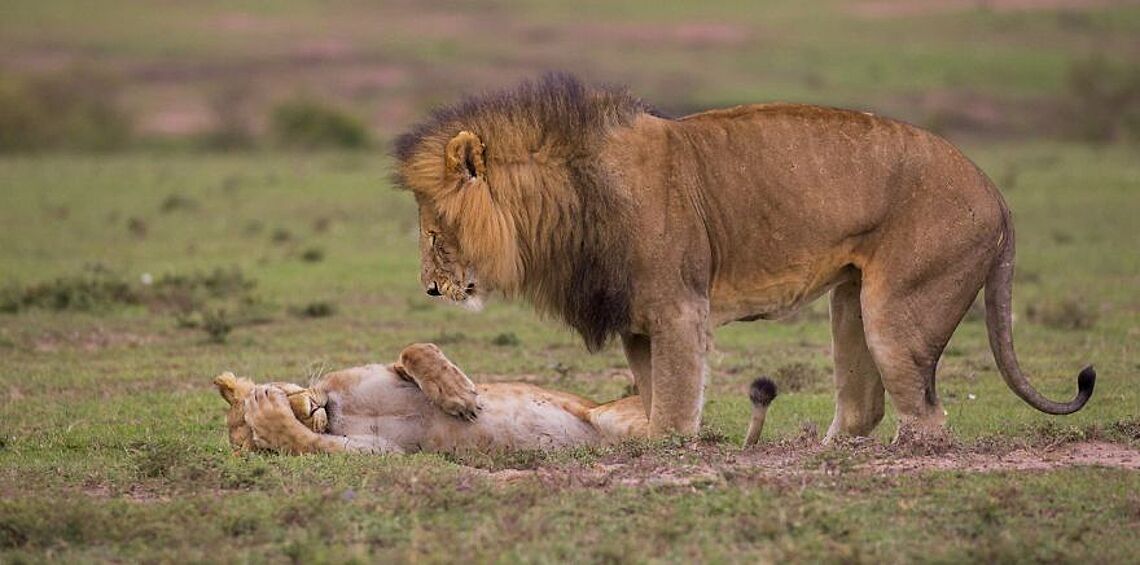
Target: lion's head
[
  {"x": 309, "y": 406},
  {"x": 512, "y": 198}
]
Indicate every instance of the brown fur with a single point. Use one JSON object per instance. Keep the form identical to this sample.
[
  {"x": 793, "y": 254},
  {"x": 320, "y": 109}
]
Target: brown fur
[
  {"x": 541, "y": 174},
  {"x": 626, "y": 223},
  {"x": 421, "y": 403}
]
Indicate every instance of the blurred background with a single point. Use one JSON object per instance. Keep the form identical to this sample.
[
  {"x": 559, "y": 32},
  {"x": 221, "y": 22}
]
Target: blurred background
[
  {"x": 179, "y": 175},
  {"x": 246, "y": 75}
]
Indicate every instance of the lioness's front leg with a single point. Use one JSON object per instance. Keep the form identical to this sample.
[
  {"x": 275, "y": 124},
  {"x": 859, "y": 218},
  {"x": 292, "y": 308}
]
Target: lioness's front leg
[
  {"x": 276, "y": 428},
  {"x": 680, "y": 342},
  {"x": 443, "y": 383}
]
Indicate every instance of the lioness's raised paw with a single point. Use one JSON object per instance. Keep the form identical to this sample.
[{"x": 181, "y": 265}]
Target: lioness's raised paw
[
  {"x": 270, "y": 417},
  {"x": 440, "y": 380}
]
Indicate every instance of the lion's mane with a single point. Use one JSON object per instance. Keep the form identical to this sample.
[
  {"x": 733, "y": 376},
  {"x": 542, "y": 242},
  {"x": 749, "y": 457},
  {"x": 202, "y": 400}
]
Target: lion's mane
[{"x": 550, "y": 226}]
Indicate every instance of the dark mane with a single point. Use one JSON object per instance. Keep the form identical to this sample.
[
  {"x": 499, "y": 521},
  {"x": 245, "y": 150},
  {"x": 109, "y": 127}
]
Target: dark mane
[
  {"x": 558, "y": 104},
  {"x": 581, "y": 273}
]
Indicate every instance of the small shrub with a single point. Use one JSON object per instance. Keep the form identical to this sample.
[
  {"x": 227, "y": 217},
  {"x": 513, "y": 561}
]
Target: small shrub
[
  {"x": 1065, "y": 314},
  {"x": 800, "y": 377},
  {"x": 313, "y": 255},
  {"x": 94, "y": 289},
  {"x": 307, "y": 124},
  {"x": 282, "y": 235},
  {"x": 76, "y": 109},
  {"x": 176, "y": 202},
  {"x": 506, "y": 340},
  {"x": 445, "y": 337},
  {"x": 137, "y": 227},
  {"x": 216, "y": 325},
  {"x": 1103, "y": 100},
  {"x": 188, "y": 292},
  {"x": 315, "y": 310}
]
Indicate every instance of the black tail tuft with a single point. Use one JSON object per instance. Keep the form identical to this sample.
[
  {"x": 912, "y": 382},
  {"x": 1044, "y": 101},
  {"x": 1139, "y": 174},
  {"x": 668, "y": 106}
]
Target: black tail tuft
[
  {"x": 763, "y": 391},
  {"x": 1086, "y": 381}
]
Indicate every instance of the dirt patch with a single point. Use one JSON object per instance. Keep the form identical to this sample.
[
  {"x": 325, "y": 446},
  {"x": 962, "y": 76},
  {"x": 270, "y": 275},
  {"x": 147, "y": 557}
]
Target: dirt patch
[
  {"x": 698, "y": 465},
  {"x": 689, "y": 35},
  {"x": 878, "y": 9},
  {"x": 1095, "y": 454},
  {"x": 92, "y": 339}
]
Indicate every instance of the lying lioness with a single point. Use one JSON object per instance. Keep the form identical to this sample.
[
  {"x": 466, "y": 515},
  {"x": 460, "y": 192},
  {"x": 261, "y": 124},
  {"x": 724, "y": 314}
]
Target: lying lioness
[{"x": 423, "y": 402}]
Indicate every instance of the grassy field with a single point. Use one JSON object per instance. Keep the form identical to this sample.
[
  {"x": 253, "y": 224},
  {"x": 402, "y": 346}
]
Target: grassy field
[{"x": 128, "y": 280}]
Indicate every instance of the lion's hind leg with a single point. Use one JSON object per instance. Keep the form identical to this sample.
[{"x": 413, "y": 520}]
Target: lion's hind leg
[
  {"x": 859, "y": 388},
  {"x": 908, "y": 324}
]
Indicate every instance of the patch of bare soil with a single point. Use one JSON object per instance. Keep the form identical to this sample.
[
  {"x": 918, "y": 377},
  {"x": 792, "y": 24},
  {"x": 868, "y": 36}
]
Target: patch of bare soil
[
  {"x": 904, "y": 8},
  {"x": 88, "y": 340},
  {"x": 691, "y": 35},
  {"x": 794, "y": 462},
  {"x": 1093, "y": 453}
]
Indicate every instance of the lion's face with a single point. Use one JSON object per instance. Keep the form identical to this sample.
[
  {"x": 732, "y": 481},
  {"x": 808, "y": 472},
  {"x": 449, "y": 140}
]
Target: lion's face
[{"x": 443, "y": 270}]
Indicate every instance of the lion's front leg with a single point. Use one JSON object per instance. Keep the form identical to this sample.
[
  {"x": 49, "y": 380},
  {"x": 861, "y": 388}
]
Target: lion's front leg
[
  {"x": 639, "y": 355},
  {"x": 680, "y": 343}
]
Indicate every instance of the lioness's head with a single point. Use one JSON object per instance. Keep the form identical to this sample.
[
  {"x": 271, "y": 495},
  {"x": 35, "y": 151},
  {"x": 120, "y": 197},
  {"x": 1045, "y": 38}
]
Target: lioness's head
[{"x": 308, "y": 406}]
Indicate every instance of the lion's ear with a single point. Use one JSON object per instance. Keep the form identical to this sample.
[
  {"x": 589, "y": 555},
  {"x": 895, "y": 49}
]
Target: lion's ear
[
  {"x": 464, "y": 155},
  {"x": 232, "y": 388}
]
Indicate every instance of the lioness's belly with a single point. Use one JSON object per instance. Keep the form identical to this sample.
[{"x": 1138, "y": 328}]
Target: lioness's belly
[
  {"x": 372, "y": 405},
  {"x": 514, "y": 416}
]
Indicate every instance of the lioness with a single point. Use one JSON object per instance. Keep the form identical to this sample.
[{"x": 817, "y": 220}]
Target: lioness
[
  {"x": 423, "y": 402},
  {"x": 620, "y": 221}
]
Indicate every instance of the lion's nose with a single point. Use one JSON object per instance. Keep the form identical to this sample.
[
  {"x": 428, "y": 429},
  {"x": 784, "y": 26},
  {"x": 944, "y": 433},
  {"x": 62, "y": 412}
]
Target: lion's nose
[{"x": 433, "y": 290}]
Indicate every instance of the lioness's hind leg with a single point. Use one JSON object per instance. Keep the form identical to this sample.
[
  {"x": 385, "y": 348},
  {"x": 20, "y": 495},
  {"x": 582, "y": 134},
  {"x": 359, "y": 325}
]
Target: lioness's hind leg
[{"x": 859, "y": 389}]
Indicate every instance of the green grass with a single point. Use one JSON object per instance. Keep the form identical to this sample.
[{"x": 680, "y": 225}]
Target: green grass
[{"x": 113, "y": 444}]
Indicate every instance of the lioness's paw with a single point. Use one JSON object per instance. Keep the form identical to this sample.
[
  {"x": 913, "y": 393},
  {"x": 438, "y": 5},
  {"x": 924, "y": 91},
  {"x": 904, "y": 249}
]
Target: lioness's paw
[
  {"x": 268, "y": 414},
  {"x": 443, "y": 383},
  {"x": 462, "y": 404}
]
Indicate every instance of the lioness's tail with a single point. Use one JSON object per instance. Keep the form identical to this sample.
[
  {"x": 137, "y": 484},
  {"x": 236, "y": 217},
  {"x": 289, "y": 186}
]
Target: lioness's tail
[
  {"x": 762, "y": 392},
  {"x": 999, "y": 322}
]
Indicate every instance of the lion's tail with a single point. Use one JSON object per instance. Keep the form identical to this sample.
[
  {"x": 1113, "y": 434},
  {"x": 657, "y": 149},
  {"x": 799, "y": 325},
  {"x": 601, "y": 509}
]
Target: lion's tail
[{"x": 999, "y": 322}]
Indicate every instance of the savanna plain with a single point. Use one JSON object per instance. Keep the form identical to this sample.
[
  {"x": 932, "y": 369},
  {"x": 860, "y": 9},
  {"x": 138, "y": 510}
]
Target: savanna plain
[{"x": 200, "y": 243}]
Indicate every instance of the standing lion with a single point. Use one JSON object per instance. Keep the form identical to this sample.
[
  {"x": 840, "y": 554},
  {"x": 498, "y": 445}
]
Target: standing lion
[{"x": 622, "y": 222}]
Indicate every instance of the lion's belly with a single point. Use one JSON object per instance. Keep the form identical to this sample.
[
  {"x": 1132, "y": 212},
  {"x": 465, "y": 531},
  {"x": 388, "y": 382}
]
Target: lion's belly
[{"x": 756, "y": 294}]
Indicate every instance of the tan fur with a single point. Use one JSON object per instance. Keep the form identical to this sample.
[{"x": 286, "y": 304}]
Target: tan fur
[
  {"x": 421, "y": 403},
  {"x": 621, "y": 222}
]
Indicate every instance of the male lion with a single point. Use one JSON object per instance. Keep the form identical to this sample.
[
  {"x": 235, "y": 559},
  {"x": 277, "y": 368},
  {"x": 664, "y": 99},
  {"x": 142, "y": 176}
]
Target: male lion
[{"x": 620, "y": 221}]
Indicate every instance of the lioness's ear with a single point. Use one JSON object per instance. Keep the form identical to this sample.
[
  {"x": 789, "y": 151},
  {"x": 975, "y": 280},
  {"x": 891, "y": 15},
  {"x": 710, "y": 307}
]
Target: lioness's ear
[
  {"x": 464, "y": 155},
  {"x": 232, "y": 388}
]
